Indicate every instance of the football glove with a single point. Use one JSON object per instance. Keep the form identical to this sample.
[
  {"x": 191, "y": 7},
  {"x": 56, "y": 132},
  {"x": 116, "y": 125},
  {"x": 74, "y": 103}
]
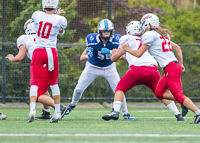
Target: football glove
[
  {"x": 105, "y": 51},
  {"x": 89, "y": 52}
]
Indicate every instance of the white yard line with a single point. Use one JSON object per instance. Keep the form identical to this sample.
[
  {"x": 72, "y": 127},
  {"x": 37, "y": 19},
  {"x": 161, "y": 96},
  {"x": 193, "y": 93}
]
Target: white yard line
[{"x": 98, "y": 135}]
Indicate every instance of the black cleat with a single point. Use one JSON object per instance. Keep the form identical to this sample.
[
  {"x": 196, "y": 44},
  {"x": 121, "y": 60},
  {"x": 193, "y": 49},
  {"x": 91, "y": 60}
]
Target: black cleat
[
  {"x": 179, "y": 117},
  {"x": 197, "y": 119},
  {"x": 63, "y": 110},
  {"x": 184, "y": 110},
  {"x": 113, "y": 115},
  {"x": 45, "y": 116}
]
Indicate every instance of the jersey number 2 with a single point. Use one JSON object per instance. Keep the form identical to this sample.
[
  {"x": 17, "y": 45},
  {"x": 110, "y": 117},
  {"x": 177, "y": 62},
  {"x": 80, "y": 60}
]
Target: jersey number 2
[
  {"x": 43, "y": 28},
  {"x": 166, "y": 45}
]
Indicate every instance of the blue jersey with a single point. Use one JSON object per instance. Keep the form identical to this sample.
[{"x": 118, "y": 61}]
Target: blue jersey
[{"x": 99, "y": 59}]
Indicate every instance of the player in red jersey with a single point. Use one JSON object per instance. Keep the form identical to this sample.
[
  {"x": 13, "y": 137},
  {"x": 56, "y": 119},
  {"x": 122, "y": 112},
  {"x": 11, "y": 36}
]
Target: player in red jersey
[
  {"x": 143, "y": 71},
  {"x": 25, "y": 44},
  {"x": 157, "y": 41}
]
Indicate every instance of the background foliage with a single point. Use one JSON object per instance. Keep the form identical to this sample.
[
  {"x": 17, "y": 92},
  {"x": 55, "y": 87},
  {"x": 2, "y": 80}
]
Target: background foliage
[{"x": 180, "y": 16}]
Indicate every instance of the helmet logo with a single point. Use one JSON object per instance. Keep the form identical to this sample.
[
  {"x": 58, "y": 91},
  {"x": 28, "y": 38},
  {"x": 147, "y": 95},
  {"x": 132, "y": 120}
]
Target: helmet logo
[{"x": 148, "y": 16}]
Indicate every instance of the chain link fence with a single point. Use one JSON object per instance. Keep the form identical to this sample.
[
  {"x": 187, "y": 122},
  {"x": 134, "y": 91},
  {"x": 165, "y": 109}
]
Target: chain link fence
[{"x": 83, "y": 17}]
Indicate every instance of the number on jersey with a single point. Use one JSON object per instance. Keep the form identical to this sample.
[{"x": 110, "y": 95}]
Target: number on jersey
[
  {"x": 166, "y": 45},
  {"x": 43, "y": 28},
  {"x": 102, "y": 56},
  {"x": 140, "y": 43}
]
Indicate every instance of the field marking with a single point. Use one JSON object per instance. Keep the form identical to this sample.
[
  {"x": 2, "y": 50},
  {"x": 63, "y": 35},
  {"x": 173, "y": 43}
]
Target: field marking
[
  {"x": 98, "y": 135},
  {"x": 132, "y": 111},
  {"x": 99, "y": 117}
]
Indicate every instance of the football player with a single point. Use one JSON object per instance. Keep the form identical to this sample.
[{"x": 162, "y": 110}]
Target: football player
[
  {"x": 2, "y": 116},
  {"x": 99, "y": 48},
  {"x": 142, "y": 71},
  {"x": 25, "y": 44},
  {"x": 157, "y": 41}
]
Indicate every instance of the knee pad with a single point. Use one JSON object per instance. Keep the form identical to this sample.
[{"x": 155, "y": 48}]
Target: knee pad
[
  {"x": 179, "y": 97},
  {"x": 78, "y": 91},
  {"x": 33, "y": 90},
  {"x": 159, "y": 94},
  {"x": 55, "y": 90}
]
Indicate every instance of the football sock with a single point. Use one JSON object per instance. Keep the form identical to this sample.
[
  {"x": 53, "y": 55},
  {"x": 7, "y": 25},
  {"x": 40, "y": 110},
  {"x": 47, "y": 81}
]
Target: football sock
[
  {"x": 47, "y": 110},
  {"x": 117, "y": 105},
  {"x": 173, "y": 108},
  {"x": 57, "y": 108},
  {"x": 32, "y": 105},
  {"x": 197, "y": 112},
  {"x": 124, "y": 107},
  {"x": 76, "y": 96}
]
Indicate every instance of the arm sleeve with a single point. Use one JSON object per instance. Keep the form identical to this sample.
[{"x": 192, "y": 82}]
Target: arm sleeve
[
  {"x": 20, "y": 42},
  {"x": 122, "y": 41},
  {"x": 33, "y": 16},
  {"x": 63, "y": 22},
  {"x": 147, "y": 39}
]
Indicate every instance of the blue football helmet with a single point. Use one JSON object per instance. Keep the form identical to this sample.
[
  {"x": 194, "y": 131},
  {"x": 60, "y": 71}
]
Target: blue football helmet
[{"x": 105, "y": 25}]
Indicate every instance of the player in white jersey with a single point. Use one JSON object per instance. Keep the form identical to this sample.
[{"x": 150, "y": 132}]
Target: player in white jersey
[
  {"x": 142, "y": 71},
  {"x": 97, "y": 53},
  {"x": 47, "y": 26},
  {"x": 157, "y": 41},
  {"x": 2, "y": 116},
  {"x": 25, "y": 44}
]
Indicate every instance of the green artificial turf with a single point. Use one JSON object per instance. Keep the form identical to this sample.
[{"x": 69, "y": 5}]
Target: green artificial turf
[{"x": 86, "y": 125}]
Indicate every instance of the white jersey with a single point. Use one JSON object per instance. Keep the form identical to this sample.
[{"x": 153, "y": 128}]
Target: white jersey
[
  {"x": 47, "y": 27},
  {"x": 160, "y": 47},
  {"x": 134, "y": 43},
  {"x": 29, "y": 42}
]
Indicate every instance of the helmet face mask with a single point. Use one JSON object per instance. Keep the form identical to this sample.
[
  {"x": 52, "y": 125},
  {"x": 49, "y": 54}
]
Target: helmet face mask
[
  {"x": 148, "y": 20},
  {"x": 29, "y": 27},
  {"x": 134, "y": 28},
  {"x": 105, "y": 25}
]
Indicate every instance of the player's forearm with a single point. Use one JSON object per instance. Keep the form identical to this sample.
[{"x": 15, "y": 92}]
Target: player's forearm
[
  {"x": 83, "y": 58},
  {"x": 179, "y": 56},
  {"x": 178, "y": 52},
  {"x": 134, "y": 53},
  {"x": 17, "y": 59},
  {"x": 115, "y": 57}
]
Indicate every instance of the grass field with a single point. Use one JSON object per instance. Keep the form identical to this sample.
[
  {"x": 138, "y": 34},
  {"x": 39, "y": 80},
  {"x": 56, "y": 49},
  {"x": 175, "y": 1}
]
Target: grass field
[{"x": 86, "y": 125}]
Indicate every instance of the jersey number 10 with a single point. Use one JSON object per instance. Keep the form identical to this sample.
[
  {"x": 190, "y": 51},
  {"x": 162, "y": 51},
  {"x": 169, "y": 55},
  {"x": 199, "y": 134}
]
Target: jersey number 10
[{"x": 43, "y": 28}]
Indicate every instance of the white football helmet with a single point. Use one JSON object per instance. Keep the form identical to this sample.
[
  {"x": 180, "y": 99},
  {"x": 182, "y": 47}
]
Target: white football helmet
[
  {"x": 105, "y": 25},
  {"x": 149, "y": 19},
  {"x": 50, "y": 4},
  {"x": 29, "y": 27},
  {"x": 133, "y": 28}
]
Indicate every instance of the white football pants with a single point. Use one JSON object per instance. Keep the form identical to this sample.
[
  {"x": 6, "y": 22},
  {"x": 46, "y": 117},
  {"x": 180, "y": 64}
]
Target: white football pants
[{"x": 89, "y": 74}]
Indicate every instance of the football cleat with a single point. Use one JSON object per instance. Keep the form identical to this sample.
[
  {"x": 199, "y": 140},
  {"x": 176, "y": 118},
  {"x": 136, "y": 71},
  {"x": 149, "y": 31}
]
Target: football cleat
[
  {"x": 45, "y": 116},
  {"x": 56, "y": 117},
  {"x": 63, "y": 110},
  {"x": 113, "y": 115},
  {"x": 31, "y": 116},
  {"x": 197, "y": 119},
  {"x": 128, "y": 116},
  {"x": 70, "y": 107},
  {"x": 184, "y": 110},
  {"x": 2, "y": 116},
  {"x": 179, "y": 117}
]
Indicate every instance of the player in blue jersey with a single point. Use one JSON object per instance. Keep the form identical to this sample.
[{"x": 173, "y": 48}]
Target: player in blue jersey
[{"x": 99, "y": 48}]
